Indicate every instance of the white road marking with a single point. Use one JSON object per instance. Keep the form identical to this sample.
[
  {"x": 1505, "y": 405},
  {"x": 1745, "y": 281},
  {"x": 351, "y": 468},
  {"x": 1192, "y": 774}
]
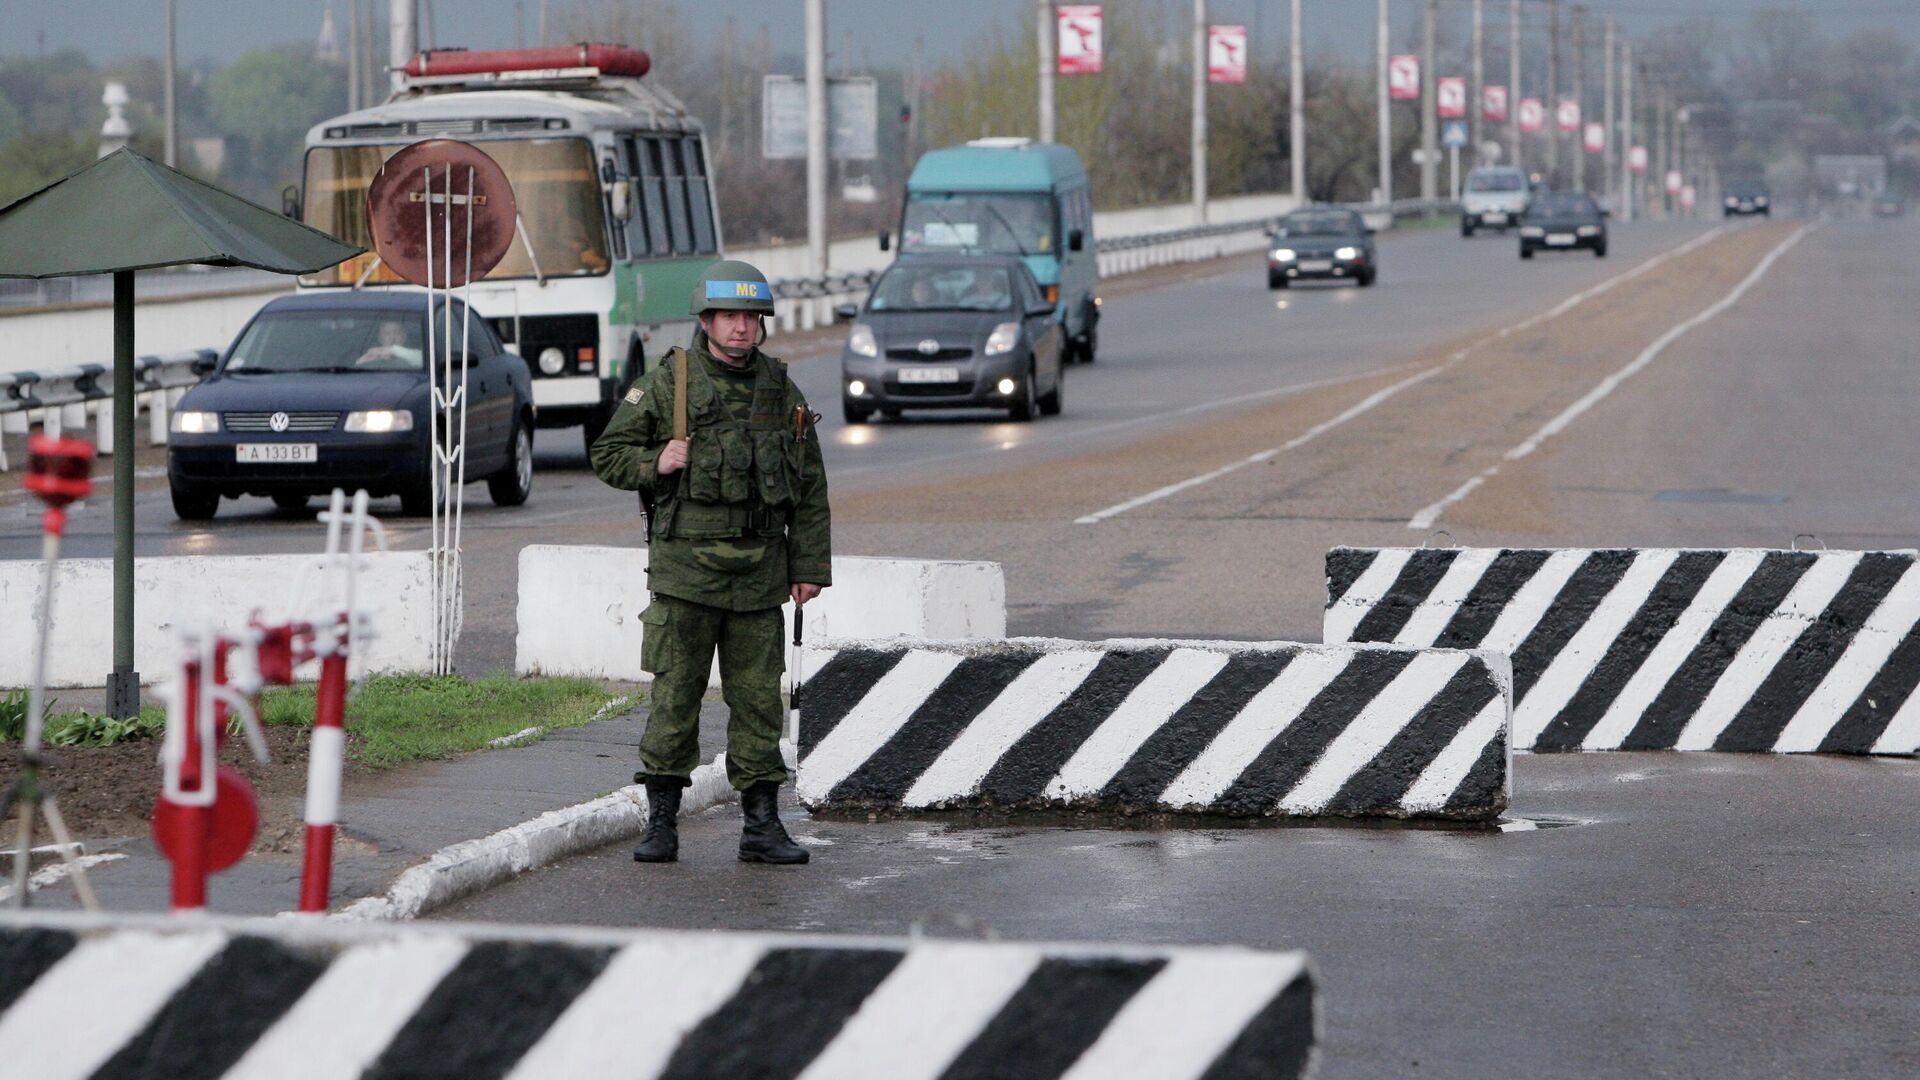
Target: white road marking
[
  {"x": 1430, "y": 514},
  {"x": 1675, "y": 646},
  {"x": 58, "y": 871},
  {"x": 880, "y": 713},
  {"x": 1878, "y": 636},
  {"x": 1588, "y": 646},
  {"x": 1208, "y": 1000},
  {"x": 350, "y": 1014},
  {"x": 1025, "y": 702},
  {"x": 1343, "y": 618},
  {"x": 83, "y": 1010},
  {"x": 1158, "y": 697},
  {"x": 653, "y": 1013},
  {"x": 1361, "y": 741},
  {"x": 1269, "y": 713},
  {"x": 1440, "y": 605},
  {"x": 1770, "y": 641},
  {"x": 1444, "y": 773},
  {"x": 926, "y": 1011},
  {"x": 1381, "y": 396}
]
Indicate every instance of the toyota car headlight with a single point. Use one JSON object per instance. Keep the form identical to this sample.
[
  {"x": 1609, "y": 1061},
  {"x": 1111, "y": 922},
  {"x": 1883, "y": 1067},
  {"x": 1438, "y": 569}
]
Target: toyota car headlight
[
  {"x": 1003, "y": 339},
  {"x": 1282, "y": 254},
  {"x": 194, "y": 423},
  {"x": 860, "y": 340},
  {"x": 1347, "y": 253},
  {"x": 380, "y": 421}
]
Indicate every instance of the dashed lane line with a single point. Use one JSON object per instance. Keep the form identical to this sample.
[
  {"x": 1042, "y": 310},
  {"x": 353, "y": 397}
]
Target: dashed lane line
[
  {"x": 1380, "y": 397},
  {"x": 1426, "y": 518}
]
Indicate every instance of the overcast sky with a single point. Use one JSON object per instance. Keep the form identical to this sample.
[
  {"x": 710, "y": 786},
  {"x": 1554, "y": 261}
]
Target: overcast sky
[{"x": 883, "y": 30}]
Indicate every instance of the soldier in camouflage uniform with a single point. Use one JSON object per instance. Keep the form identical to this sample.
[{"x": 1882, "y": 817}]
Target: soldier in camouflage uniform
[{"x": 738, "y": 524}]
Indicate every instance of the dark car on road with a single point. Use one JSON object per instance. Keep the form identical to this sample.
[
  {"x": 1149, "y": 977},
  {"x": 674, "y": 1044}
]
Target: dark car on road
[
  {"x": 1745, "y": 197},
  {"x": 1563, "y": 221},
  {"x": 330, "y": 391},
  {"x": 953, "y": 332},
  {"x": 1326, "y": 242},
  {"x": 1889, "y": 206}
]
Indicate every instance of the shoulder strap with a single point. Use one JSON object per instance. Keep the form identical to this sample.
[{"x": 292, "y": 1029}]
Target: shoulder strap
[{"x": 679, "y": 359}]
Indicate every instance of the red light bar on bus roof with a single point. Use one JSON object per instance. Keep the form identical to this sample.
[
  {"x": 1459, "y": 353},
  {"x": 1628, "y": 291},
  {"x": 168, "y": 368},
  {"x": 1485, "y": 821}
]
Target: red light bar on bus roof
[{"x": 608, "y": 59}]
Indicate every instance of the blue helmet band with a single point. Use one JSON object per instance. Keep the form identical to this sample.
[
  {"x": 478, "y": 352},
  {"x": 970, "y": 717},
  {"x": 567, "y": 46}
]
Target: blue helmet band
[{"x": 739, "y": 290}]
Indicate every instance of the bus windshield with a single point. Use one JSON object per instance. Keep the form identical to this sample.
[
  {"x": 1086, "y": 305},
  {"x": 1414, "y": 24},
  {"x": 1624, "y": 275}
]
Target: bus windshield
[
  {"x": 554, "y": 188},
  {"x": 1006, "y": 224}
]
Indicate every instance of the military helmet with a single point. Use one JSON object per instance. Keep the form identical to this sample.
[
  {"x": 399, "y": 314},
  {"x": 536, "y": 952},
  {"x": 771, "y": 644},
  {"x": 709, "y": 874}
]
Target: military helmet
[{"x": 732, "y": 285}]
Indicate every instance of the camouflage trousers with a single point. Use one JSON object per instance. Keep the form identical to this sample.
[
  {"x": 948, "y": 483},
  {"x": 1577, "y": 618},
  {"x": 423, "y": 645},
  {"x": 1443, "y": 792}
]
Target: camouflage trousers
[{"x": 677, "y": 647}]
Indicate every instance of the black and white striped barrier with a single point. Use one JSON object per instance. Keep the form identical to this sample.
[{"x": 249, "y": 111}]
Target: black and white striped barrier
[
  {"x": 1252, "y": 730},
  {"x": 271, "y": 999},
  {"x": 1662, "y": 648}
]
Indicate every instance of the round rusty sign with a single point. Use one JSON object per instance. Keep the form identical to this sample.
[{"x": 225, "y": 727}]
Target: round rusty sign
[{"x": 413, "y": 194}]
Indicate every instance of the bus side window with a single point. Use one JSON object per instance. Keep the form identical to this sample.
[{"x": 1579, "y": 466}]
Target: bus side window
[
  {"x": 675, "y": 175},
  {"x": 699, "y": 197},
  {"x": 653, "y": 185},
  {"x": 614, "y": 225},
  {"x": 638, "y": 241}
]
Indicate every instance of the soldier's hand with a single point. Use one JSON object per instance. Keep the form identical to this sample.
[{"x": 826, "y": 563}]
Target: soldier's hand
[
  {"x": 673, "y": 458},
  {"x": 804, "y": 591}
]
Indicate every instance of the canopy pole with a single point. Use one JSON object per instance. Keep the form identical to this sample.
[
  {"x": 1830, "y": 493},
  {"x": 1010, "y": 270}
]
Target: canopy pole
[{"x": 123, "y": 685}]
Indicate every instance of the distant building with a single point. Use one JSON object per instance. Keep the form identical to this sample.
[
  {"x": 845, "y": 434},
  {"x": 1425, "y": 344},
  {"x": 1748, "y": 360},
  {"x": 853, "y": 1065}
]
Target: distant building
[
  {"x": 1858, "y": 175},
  {"x": 327, "y": 48},
  {"x": 1903, "y": 138}
]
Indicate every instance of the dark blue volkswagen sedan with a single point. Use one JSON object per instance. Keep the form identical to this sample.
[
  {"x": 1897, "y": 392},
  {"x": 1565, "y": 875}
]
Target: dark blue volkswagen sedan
[{"x": 330, "y": 390}]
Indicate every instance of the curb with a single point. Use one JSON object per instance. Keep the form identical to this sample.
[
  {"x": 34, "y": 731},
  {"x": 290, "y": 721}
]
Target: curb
[{"x": 473, "y": 866}]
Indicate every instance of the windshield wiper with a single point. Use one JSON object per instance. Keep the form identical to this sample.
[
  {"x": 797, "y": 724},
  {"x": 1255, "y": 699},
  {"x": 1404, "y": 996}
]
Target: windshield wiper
[{"x": 1007, "y": 225}]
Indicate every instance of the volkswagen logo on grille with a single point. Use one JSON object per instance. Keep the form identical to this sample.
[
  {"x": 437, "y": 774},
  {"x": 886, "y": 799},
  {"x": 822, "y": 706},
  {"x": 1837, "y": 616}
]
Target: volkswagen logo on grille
[
  {"x": 279, "y": 421},
  {"x": 928, "y": 347}
]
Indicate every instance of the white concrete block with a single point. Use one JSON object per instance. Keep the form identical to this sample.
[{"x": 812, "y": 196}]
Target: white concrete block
[
  {"x": 579, "y": 606},
  {"x": 176, "y": 593}
]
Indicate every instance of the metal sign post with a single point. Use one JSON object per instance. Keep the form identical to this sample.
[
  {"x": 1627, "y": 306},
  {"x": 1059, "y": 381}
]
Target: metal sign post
[{"x": 453, "y": 189}]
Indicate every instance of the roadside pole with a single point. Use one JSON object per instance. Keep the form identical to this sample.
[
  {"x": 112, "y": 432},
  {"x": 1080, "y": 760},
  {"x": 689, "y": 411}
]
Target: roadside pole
[
  {"x": 1630, "y": 208},
  {"x": 353, "y": 54},
  {"x": 1429, "y": 118},
  {"x": 168, "y": 104},
  {"x": 1476, "y": 94},
  {"x": 816, "y": 45},
  {"x": 1513, "y": 82},
  {"x": 123, "y": 683},
  {"x": 1613, "y": 136},
  {"x": 401, "y": 39},
  {"x": 1047, "y": 26},
  {"x": 1297, "y": 124},
  {"x": 1385, "y": 106},
  {"x": 1552, "y": 96},
  {"x": 1579, "y": 148},
  {"x": 1199, "y": 112}
]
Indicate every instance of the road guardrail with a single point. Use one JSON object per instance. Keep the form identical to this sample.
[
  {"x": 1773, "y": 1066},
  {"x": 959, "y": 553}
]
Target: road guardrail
[{"x": 62, "y": 399}]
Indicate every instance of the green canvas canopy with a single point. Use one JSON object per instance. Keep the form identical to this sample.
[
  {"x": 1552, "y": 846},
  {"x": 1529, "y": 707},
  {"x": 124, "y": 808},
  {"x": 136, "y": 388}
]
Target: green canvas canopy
[{"x": 124, "y": 213}]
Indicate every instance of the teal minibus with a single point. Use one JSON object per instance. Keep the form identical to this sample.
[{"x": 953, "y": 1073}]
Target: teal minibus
[{"x": 1008, "y": 196}]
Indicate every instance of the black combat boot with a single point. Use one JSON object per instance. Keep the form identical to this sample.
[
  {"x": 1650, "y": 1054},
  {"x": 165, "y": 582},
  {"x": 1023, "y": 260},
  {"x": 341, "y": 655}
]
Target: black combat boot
[
  {"x": 661, "y": 841},
  {"x": 764, "y": 839}
]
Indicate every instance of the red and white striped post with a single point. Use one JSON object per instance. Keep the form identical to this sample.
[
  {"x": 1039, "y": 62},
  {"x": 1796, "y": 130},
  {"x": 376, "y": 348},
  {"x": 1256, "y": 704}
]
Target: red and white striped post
[{"x": 325, "y": 757}]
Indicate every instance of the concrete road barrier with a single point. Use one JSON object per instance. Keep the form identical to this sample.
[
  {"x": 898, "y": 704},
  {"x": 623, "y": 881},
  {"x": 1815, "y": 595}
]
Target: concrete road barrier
[
  {"x": 1663, "y": 648},
  {"x": 191, "y": 592},
  {"x": 318, "y": 1000},
  {"x": 579, "y": 606},
  {"x": 1253, "y": 730}
]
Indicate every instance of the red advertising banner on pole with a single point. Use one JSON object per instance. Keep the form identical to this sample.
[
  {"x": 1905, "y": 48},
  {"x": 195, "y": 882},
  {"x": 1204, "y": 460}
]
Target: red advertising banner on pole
[
  {"x": 1450, "y": 97},
  {"x": 1403, "y": 77},
  {"x": 1675, "y": 182},
  {"x": 1596, "y": 138},
  {"x": 1493, "y": 104},
  {"x": 1077, "y": 34},
  {"x": 1227, "y": 54},
  {"x": 1637, "y": 159},
  {"x": 1533, "y": 114},
  {"x": 1569, "y": 115}
]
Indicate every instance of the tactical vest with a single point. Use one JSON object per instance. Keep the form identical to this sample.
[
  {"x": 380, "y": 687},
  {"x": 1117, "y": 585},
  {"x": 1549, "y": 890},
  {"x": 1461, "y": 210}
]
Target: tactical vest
[{"x": 742, "y": 476}]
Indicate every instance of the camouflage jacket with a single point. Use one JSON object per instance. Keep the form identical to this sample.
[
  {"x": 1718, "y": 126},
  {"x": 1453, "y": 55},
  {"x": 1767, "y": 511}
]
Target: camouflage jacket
[{"x": 748, "y": 515}]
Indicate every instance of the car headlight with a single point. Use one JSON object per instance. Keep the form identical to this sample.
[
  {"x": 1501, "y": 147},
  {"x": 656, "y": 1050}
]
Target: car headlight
[
  {"x": 1282, "y": 254},
  {"x": 1732, "y": 201},
  {"x": 1347, "y": 253},
  {"x": 860, "y": 340},
  {"x": 552, "y": 361},
  {"x": 1003, "y": 339},
  {"x": 1589, "y": 230},
  {"x": 380, "y": 421},
  {"x": 856, "y": 388},
  {"x": 1759, "y": 200},
  {"x": 1532, "y": 230},
  {"x": 194, "y": 423}
]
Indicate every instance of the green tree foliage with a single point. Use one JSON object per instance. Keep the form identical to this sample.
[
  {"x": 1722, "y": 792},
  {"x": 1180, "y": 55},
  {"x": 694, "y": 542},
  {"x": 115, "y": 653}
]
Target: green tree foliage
[
  {"x": 33, "y": 159},
  {"x": 263, "y": 103}
]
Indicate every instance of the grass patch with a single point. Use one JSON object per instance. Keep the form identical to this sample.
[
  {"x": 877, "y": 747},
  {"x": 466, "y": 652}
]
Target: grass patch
[
  {"x": 394, "y": 719},
  {"x": 391, "y": 719}
]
